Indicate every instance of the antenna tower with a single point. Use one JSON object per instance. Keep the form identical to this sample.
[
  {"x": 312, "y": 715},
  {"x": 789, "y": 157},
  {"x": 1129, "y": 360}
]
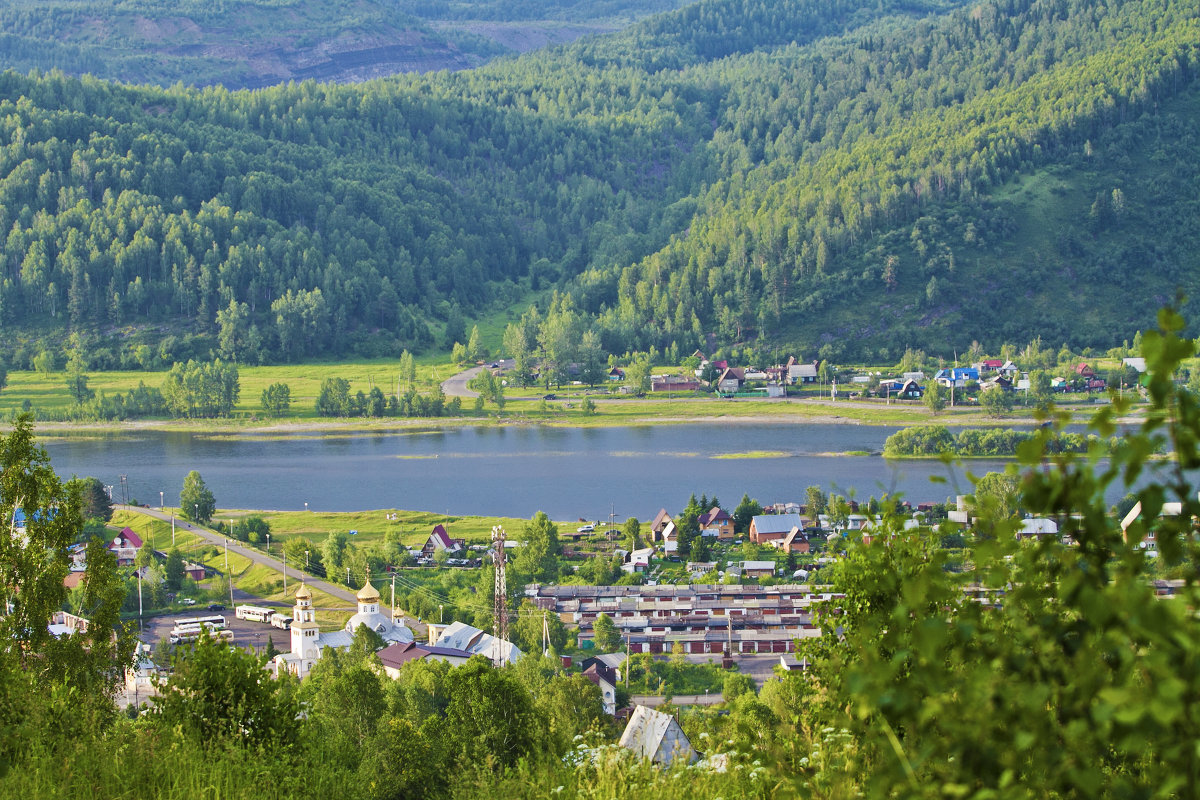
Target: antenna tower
[{"x": 500, "y": 608}]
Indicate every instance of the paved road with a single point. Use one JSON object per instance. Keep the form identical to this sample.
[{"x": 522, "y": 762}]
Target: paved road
[
  {"x": 271, "y": 562},
  {"x": 456, "y": 385},
  {"x": 678, "y": 700}
]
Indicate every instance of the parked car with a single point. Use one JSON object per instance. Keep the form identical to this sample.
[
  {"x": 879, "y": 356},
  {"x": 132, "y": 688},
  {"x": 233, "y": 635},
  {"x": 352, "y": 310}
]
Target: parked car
[
  {"x": 187, "y": 601},
  {"x": 585, "y": 529},
  {"x": 215, "y": 607},
  {"x": 549, "y": 397}
]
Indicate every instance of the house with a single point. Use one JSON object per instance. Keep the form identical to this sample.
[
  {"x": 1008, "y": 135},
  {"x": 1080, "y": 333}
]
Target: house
[
  {"x": 614, "y": 661},
  {"x": 731, "y": 380},
  {"x": 803, "y": 373},
  {"x": 988, "y": 365},
  {"x": 795, "y": 542},
  {"x": 716, "y": 523},
  {"x": 460, "y": 636},
  {"x": 1084, "y": 371},
  {"x": 605, "y": 678},
  {"x": 660, "y": 522},
  {"x": 754, "y": 569},
  {"x": 656, "y": 736},
  {"x": 900, "y": 389},
  {"x": 673, "y": 383},
  {"x": 638, "y": 560},
  {"x": 769, "y": 527},
  {"x": 194, "y": 571},
  {"x": 440, "y": 540},
  {"x": 395, "y": 656},
  {"x": 957, "y": 376},
  {"x": 616, "y": 374},
  {"x": 125, "y": 547},
  {"x": 1138, "y": 364},
  {"x": 776, "y": 390},
  {"x": 918, "y": 376},
  {"x": 1037, "y": 528},
  {"x": 1009, "y": 370}
]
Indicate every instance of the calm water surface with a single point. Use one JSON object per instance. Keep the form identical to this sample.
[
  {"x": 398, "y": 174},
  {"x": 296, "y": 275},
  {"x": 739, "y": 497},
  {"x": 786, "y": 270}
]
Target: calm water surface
[{"x": 565, "y": 472}]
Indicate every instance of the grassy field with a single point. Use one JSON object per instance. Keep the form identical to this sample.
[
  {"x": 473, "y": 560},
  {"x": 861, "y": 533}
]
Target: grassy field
[
  {"x": 47, "y": 392},
  {"x": 411, "y": 528},
  {"x": 263, "y": 582}
]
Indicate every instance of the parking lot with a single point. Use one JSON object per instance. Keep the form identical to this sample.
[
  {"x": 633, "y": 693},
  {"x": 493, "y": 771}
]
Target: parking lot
[{"x": 246, "y": 633}]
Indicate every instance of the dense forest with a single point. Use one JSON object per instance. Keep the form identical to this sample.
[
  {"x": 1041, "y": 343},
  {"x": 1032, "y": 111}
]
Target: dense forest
[{"x": 825, "y": 175}]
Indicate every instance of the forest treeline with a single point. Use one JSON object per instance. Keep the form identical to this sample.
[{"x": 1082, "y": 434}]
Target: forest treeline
[{"x": 738, "y": 169}]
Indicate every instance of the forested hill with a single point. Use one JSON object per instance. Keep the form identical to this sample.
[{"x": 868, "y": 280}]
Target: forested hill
[{"x": 813, "y": 173}]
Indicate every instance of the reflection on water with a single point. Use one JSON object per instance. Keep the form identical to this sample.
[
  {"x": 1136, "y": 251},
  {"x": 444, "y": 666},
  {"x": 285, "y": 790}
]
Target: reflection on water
[{"x": 514, "y": 471}]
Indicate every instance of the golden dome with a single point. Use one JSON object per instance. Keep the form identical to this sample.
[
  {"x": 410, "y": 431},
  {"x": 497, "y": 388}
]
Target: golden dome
[
  {"x": 303, "y": 593},
  {"x": 368, "y": 593}
]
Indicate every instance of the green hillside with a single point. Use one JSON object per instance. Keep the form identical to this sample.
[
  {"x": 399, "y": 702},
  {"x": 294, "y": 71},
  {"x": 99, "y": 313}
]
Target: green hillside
[{"x": 823, "y": 175}]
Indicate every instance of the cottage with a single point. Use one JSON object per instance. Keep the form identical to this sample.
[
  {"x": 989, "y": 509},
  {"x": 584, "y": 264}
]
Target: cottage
[
  {"x": 957, "y": 376},
  {"x": 766, "y": 528},
  {"x": 605, "y": 679},
  {"x": 638, "y": 560},
  {"x": 658, "y": 524},
  {"x": 440, "y": 540},
  {"x": 1084, "y": 371},
  {"x": 393, "y": 657},
  {"x": 125, "y": 547},
  {"x": 731, "y": 380},
  {"x": 754, "y": 569},
  {"x": 460, "y": 636},
  {"x": 656, "y": 736},
  {"x": 716, "y": 523},
  {"x": 1037, "y": 528},
  {"x": 795, "y": 542},
  {"x": 803, "y": 373}
]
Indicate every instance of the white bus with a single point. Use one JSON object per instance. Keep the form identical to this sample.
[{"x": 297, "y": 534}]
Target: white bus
[
  {"x": 254, "y": 613},
  {"x": 216, "y": 622},
  {"x": 192, "y": 633},
  {"x": 280, "y": 621}
]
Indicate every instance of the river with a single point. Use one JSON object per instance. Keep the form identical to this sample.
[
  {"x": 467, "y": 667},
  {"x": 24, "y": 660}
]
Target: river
[{"x": 511, "y": 471}]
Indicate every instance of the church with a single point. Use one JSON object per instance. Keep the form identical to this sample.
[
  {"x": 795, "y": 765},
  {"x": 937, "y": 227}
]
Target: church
[{"x": 308, "y": 642}]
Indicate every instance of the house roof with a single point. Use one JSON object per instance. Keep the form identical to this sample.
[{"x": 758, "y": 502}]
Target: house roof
[
  {"x": 660, "y": 520},
  {"x": 655, "y": 735},
  {"x": 802, "y": 371},
  {"x": 714, "y": 515},
  {"x": 130, "y": 538},
  {"x": 463, "y": 637},
  {"x": 758, "y": 565},
  {"x": 777, "y": 523},
  {"x": 440, "y": 538}
]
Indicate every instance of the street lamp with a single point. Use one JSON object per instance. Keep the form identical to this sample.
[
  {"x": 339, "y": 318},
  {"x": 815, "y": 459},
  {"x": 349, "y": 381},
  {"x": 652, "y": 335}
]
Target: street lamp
[
  {"x": 306, "y": 505},
  {"x": 160, "y": 501},
  {"x": 306, "y": 560},
  {"x": 268, "y": 544},
  {"x": 196, "y": 514}
]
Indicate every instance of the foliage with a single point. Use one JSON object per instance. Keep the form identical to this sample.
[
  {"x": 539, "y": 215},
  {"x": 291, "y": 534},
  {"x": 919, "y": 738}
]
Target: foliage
[
  {"x": 1079, "y": 669},
  {"x": 932, "y": 440},
  {"x": 277, "y": 399},
  {"x": 96, "y": 502},
  {"x": 607, "y": 637},
  {"x": 220, "y": 695},
  {"x": 196, "y": 502},
  {"x": 201, "y": 390}
]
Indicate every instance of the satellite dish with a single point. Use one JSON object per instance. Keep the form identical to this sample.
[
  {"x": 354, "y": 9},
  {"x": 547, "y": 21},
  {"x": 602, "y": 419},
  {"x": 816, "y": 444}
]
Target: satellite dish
[{"x": 117, "y": 541}]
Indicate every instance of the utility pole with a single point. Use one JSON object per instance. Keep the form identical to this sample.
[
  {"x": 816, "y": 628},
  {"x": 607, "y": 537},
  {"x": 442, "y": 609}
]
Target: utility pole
[
  {"x": 172, "y": 530},
  {"x": 545, "y": 634},
  {"x": 500, "y": 604},
  {"x": 228, "y": 576}
]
